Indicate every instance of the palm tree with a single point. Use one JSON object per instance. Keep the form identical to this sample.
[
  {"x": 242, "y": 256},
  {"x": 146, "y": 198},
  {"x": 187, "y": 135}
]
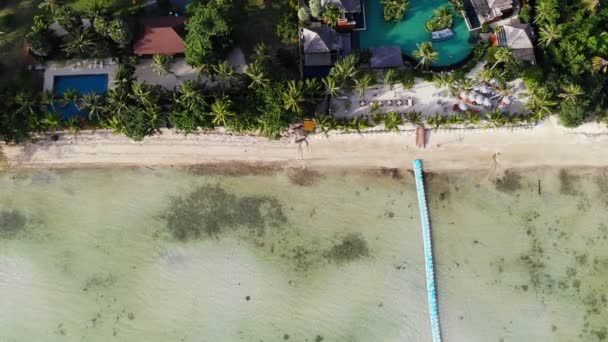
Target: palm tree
[
  {"x": 52, "y": 121},
  {"x": 435, "y": 121},
  {"x": 47, "y": 101},
  {"x": 443, "y": 80},
  {"x": 142, "y": 93},
  {"x": 415, "y": 118},
  {"x": 190, "y": 96},
  {"x": 313, "y": 89},
  {"x": 504, "y": 88},
  {"x": 426, "y": 54},
  {"x": 484, "y": 75},
  {"x": 392, "y": 121},
  {"x": 220, "y": 109},
  {"x": 331, "y": 15},
  {"x": 123, "y": 76},
  {"x": 549, "y": 33},
  {"x": 545, "y": 12},
  {"x": 540, "y": 102},
  {"x": 258, "y": 77},
  {"x": 495, "y": 118},
  {"x": 502, "y": 55},
  {"x": 570, "y": 92},
  {"x": 260, "y": 54},
  {"x": 362, "y": 83},
  {"x": 93, "y": 104},
  {"x": 224, "y": 73},
  {"x": 473, "y": 117},
  {"x": 591, "y": 5},
  {"x": 345, "y": 69},
  {"x": 73, "y": 125},
  {"x": 331, "y": 87},
  {"x": 599, "y": 64},
  {"x": 358, "y": 124},
  {"x": 80, "y": 43},
  {"x": 26, "y": 102},
  {"x": 72, "y": 96},
  {"x": 118, "y": 100},
  {"x": 161, "y": 64},
  {"x": 50, "y": 5},
  {"x": 293, "y": 97},
  {"x": 325, "y": 122},
  {"x": 390, "y": 77}
]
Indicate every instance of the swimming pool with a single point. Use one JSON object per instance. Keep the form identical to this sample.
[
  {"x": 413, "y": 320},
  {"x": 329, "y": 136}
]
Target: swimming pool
[
  {"x": 411, "y": 31},
  {"x": 83, "y": 84}
]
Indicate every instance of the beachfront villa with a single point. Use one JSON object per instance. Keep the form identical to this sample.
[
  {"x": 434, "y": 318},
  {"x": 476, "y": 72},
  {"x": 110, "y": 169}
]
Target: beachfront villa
[
  {"x": 479, "y": 12},
  {"x": 518, "y": 38}
]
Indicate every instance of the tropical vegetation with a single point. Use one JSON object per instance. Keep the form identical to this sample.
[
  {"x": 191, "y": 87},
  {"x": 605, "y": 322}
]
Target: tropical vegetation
[
  {"x": 394, "y": 10},
  {"x": 443, "y": 18}
]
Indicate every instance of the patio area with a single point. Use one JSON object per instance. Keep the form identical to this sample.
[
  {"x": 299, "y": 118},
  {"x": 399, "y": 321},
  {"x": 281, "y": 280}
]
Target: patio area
[{"x": 428, "y": 99}]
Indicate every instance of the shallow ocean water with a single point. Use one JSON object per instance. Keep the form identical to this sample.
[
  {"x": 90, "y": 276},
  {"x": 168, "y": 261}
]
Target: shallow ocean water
[{"x": 328, "y": 255}]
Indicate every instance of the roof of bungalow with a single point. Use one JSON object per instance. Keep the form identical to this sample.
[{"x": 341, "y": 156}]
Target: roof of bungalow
[
  {"x": 317, "y": 40},
  {"x": 386, "y": 57},
  {"x": 487, "y": 10},
  {"x": 518, "y": 38},
  {"x": 317, "y": 44},
  {"x": 161, "y": 35},
  {"x": 349, "y": 6}
]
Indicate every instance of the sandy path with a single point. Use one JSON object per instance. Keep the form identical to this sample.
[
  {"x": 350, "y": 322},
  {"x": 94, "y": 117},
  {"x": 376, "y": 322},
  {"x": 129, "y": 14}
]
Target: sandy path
[{"x": 544, "y": 145}]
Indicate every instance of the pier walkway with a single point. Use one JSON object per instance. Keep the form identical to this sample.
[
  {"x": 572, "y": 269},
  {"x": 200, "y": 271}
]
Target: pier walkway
[{"x": 428, "y": 251}]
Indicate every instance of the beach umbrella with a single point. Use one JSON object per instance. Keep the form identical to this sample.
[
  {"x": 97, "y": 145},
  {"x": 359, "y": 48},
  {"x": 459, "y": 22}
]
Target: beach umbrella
[
  {"x": 463, "y": 95},
  {"x": 486, "y": 102},
  {"x": 484, "y": 89},
  {"x": 506, "y": 100},
  {"x": 479, "y": 99},
  {"x": 476, "y": 88},
  {"x": 472, "y": 97},
  {"x": 463, "y": 106},
  {"x": 362, "y": 103},
  {"x": 494, "y": 81}
]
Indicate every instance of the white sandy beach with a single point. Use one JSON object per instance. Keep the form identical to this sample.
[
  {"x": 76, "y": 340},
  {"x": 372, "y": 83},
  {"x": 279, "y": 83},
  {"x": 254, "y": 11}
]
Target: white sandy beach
[{"x": 545, "y": 145}]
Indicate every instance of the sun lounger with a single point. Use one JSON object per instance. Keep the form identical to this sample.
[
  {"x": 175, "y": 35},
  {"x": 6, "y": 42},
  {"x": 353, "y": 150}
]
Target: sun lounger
[{"x": 410, "y": 102}]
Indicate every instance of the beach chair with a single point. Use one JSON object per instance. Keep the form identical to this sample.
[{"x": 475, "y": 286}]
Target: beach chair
[{"x": 410, "y": 102}]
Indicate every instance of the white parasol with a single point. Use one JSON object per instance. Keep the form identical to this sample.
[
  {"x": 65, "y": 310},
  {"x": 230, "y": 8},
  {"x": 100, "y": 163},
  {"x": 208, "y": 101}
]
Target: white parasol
[
  {"x": 463, "y": 106},
  {"x": 486, "y": 102},
  {"x": 479, "y": 99}
]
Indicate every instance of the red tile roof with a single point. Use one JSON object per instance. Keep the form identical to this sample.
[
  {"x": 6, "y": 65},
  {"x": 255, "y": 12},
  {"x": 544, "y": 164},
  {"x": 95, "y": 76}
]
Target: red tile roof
[{"x": 160, "y": 35}]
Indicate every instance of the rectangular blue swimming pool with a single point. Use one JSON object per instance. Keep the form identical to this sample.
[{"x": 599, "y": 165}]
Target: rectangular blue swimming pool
[{"x": 83, "y": 84}]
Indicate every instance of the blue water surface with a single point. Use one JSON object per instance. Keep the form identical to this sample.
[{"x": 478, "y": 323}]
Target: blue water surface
[{"x": 83, "y": 84}]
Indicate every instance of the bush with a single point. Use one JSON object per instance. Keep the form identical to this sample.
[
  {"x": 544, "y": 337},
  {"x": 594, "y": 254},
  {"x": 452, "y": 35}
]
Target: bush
[
  {"x": 443, "y": 19},
  {"x": 101, "y": 25},
  {"x": 304, "y": 15},
  {"x": 7, "y": 21},
  {"x": 525, "y": 14},
  {"x": 394, "y": 10},
  {"x": 532, "y": 75},
  {"x": 119, "y": 32},
  {"x": 316, "y": 9},
  {"x": 485, "y": 28},
  {"x": 287, "y": 29},
  {"x": 572, "y": 114},
  {"x": 39, "y": 43}
]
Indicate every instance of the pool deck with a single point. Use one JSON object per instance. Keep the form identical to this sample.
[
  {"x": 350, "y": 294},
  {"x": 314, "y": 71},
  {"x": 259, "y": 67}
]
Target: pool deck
[{"x": 79, "y": 67}]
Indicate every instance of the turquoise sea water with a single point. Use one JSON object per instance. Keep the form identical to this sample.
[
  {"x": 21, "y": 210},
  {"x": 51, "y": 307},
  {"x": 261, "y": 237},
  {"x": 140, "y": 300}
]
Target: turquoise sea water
[
  {"x": 174, "y": 254},
  {"x": 411, "y": 31}
]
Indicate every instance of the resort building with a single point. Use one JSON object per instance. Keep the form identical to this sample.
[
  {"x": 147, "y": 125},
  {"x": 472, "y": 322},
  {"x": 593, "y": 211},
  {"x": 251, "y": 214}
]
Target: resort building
[
  {"x": 479, "y": 12},
  {"x": 386, "y": 57},
  {"x": 518, "y": 38},
  {"x": 161, "y": 35},
  {"x": 354, "y": 17}
]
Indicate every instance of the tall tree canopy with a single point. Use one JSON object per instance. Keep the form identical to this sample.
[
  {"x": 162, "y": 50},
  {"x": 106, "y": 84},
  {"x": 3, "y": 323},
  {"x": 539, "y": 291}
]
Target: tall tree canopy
[{"x": 209, "y": 31}]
